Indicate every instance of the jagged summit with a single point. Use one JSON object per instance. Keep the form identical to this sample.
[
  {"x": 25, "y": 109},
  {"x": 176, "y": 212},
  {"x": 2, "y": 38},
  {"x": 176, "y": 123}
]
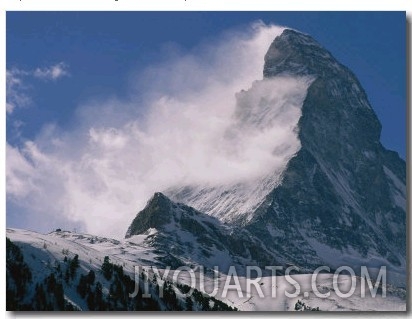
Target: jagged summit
[
  {"x": 158, "y": 212},
  {"x": 296, "y": 53},
  {"x": 159, "y": 198},
  {"x": 336, "y": 101}
]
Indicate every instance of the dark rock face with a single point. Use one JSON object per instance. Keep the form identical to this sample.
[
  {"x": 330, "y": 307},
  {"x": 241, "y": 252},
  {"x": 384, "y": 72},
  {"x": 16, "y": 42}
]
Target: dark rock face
[
  {"x": 342, "y": 200},
  {"x": 156, "y": 214},
  {"x": 343, "y": 189}
]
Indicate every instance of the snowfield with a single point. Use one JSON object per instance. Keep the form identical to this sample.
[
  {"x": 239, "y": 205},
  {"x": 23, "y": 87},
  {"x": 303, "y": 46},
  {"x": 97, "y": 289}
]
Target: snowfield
[{"x": 42, "y": 252}]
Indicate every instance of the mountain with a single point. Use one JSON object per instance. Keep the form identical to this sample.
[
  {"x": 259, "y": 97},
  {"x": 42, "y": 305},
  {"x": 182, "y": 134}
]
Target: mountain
[
  {"x": 340, "y": 196},
  {"x": 342, "y": 199},
  {"x": 190, "y": 237}
]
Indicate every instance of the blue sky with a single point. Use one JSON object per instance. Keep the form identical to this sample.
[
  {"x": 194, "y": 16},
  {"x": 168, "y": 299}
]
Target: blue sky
[
  {"x": 80, "y": 139},
  {"x": 102, "y": 48}
]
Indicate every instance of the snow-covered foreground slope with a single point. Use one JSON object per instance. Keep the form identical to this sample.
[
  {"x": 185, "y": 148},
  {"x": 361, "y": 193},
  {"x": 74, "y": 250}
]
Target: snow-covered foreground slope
[
  {"x": 270, "y": 285},
  {"x": 70, "y": 271},
  {"x": 90, "y": 249},
  {"x": 43, "y": 253}
]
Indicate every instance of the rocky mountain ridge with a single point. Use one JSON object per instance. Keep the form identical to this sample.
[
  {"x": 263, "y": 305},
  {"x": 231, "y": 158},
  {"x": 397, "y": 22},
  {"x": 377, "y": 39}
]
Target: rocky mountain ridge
[{"x": 342, "y": 197}]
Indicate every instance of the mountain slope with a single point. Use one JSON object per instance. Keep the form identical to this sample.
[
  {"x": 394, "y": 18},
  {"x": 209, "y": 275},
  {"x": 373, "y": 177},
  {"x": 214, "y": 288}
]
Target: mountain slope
[
  {"x": 264, "y": 126},
  {"x": 70, "y": 271},
  {"x": 341, "y": 198}
]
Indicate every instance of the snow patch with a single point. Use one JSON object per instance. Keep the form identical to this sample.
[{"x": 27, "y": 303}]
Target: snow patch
[{"x": 398, "y": 191}]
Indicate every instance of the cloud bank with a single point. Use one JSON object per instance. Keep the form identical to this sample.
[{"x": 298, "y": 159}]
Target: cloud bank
[{"x": 187, "y": 121}]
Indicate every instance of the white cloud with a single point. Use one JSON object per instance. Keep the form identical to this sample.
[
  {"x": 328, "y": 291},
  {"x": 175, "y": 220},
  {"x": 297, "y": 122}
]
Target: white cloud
[
  {"x": 17, "y": 95},
  {"x": 185, "y": 124},
  {"x": 52, "y": 72},
  {"x": 18, "y": 174}
]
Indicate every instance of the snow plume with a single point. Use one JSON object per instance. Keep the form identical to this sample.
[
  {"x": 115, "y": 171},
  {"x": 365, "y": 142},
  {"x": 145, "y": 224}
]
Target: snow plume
[{"x": 188, "y": 121}]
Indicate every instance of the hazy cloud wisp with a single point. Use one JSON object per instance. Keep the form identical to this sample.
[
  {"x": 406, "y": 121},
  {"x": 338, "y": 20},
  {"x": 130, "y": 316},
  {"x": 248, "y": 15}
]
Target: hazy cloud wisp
[
  {"x": 17, "y": 87},
  {"x": 52, "y": 72}
]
